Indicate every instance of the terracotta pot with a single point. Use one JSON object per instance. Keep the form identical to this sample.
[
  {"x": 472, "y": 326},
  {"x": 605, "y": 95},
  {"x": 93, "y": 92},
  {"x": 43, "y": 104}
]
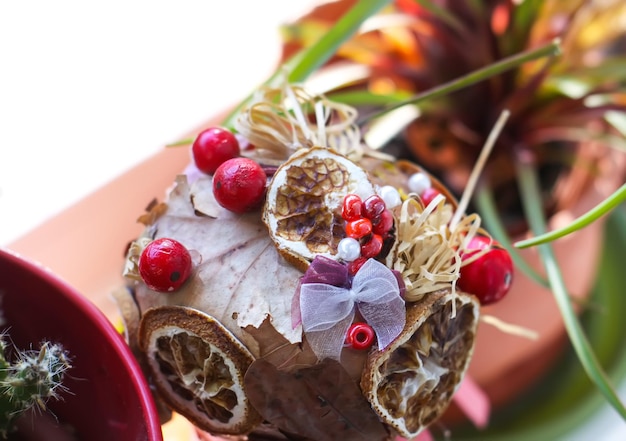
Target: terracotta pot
[
  {"x": 505, "y": 366},
  {"x": 108, "y": 397}
]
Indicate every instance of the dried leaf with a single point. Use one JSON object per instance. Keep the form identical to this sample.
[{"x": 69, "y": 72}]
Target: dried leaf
[
  {"x": 277, "y": 350},
  {"x": 207, "y": 206},
  {"x": 241, "y": 279},
  {"x": 154, "y": 211},
  {"x": 320, "y": 402}
]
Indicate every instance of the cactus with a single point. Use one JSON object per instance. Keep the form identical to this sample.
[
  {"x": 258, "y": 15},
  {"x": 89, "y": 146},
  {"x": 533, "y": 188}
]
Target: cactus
[{"x": 30, "y": 380}]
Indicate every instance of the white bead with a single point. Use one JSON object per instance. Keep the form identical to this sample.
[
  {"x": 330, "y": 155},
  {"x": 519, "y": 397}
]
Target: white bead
[
  {"x": 418, "y": 182},
  {"x": 390, "y": 195},
  {"x": 349, "y": 249}
]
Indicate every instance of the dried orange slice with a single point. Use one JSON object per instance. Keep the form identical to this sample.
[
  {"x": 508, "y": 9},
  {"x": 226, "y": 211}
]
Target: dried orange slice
[
  {"x": 304, "y": 198},
  {"x": 198, "y": 368},
  {"x": 411, "y": 383}
]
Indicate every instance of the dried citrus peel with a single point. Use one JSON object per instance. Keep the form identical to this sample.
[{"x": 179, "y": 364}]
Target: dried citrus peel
[
  {"x": 412, "y": 382},
  {"x": 198, "y": 367},
  {"x": 303, "y": 204}
]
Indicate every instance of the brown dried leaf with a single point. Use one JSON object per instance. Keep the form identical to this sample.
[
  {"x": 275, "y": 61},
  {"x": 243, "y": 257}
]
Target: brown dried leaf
[
  {"x": 320, "y": 402},
  {"x": 275, "y": 348},
  {"x": 241, "y": 279},
  {"x": 154, "y": 211}
]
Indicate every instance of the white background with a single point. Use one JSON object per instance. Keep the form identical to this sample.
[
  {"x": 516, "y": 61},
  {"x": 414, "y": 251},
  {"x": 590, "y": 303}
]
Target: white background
[{"x": 87, "y": 90}]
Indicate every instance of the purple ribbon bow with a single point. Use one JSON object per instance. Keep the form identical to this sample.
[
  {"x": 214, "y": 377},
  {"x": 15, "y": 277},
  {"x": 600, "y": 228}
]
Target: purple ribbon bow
[{"x": 328, "y": 303}]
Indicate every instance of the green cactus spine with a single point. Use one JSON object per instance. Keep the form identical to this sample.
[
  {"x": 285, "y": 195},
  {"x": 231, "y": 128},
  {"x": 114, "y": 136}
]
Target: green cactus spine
[{"x": 31, "y": 379}]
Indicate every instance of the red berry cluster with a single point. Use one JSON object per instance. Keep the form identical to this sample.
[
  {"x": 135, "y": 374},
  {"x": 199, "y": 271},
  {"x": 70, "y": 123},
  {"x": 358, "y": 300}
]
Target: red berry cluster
[
  {"x": 238, "y": 183},
  {"x": 367, "y": 221}
]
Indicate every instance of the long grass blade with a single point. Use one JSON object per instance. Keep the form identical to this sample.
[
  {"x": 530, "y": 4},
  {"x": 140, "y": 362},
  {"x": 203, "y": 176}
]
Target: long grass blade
[
  {"x": 592, "y": 215},
  {"x": 551, "y": 49},
  {"x": 529, "y": 188},
  {"x": 316, "y": 55},
  {"x": 484, "y": 200}
]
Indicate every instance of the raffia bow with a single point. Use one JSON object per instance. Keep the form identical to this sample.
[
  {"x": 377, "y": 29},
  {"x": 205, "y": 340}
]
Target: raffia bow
[{"x": 328, "y": 310}]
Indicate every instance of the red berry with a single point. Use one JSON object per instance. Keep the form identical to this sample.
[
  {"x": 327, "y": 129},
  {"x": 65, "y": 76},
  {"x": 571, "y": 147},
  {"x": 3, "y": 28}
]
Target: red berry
[
  {"x": 383, "y": 224},
  {"x": 352, "y": 208},
  {"x": 358, "y": 228},
  {"x": 489, "y": 277},
  {"x": 164, "y": 265},
  {"x": 372, "y": 247},
  {"x": 360, "y": 336},
  {"x": 212, "y": 147},
  {"x": 239, "y": 185},
  {"x": 373, "y": 206},
  {"x": 356, "y": 264},
  {"x": 428, "y": 195}
]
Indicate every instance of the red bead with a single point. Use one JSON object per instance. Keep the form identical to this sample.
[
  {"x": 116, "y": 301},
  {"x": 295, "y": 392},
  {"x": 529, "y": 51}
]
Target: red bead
[
  {"x": 352, "y": 208},
  {"x": 212, "y": 147},
  {"x": 372, "y": 247},
  {"x": 373, "y": 206},
  {"x": 489, "y": 277},
  {"x": 164, "y": 265},
  {"x": 360, "y": 336},
  {"x": 239, "y": 185},
  {"x": 358, "y": 228},
  {"x": 384, "y": 223},
  {"x": 428, "y": 195},
  {"x": 356, "y": 264}
]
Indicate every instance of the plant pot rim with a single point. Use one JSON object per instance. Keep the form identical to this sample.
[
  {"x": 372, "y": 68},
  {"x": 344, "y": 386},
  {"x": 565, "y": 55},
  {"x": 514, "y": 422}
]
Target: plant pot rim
[{"x": 112, "y": 343}]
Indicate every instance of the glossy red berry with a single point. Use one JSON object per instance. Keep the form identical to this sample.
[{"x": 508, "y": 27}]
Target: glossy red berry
[
  {"x": 164, "y": 265},
  {"x": 360, "y": 336},
  {"x": 489, "y": 277},
  {"x": 373, "y": 206},
  {"x": 212, "y": 147},
  {"x": 428, "y": 195},
  {"x": 239, "y": 185},
  {"x": 352, "y": 208},
  {"x": 372, "y": 247},
  {"x": 358, "y": 228},
  {"x": 383, "y": 224}
]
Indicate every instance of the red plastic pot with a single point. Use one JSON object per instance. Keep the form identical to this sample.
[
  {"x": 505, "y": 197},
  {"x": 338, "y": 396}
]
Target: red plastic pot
[{"x": 109, "y": 398}]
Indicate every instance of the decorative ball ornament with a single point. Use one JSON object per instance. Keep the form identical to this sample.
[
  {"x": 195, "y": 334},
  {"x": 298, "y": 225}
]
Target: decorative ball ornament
[
  {"x": 239, "y": 185},
  {"x": 419, "y": 182},
  {"x": 390, "y": 195},
  {"x": 360, "y": 336},
  {"x": 212, "y": 147},
  {"x": 349, "y": 249},
  {"x": 489, "y": 277},
  {"x": 165, "y": 265}
]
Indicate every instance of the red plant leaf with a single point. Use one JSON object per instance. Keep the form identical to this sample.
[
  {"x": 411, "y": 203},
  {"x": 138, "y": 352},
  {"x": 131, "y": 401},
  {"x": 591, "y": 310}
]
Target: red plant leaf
[{"x": 320, "y": 402}]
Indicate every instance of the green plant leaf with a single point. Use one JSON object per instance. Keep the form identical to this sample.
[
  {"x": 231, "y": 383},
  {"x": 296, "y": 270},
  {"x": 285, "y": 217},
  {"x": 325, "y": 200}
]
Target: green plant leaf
[
  {"x": 306, "y": 61},
  {"x": 440, "y": 12},
  {"x": 486, "y": 206},
  {"x": 529, "y": 189},
  {"x": 366, "y": 98},
  {"x": 564, "y": 399},
  {"x": 592, "y": 215},
  {"x": 611, "y": 68},
  {"x": 551, "y": 49},
  {"x": 316, "y": 55}
]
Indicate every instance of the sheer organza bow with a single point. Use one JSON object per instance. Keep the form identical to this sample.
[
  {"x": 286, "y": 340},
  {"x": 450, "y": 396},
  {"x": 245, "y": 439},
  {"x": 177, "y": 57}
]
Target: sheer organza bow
[{"x": 327, "y": 310}]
